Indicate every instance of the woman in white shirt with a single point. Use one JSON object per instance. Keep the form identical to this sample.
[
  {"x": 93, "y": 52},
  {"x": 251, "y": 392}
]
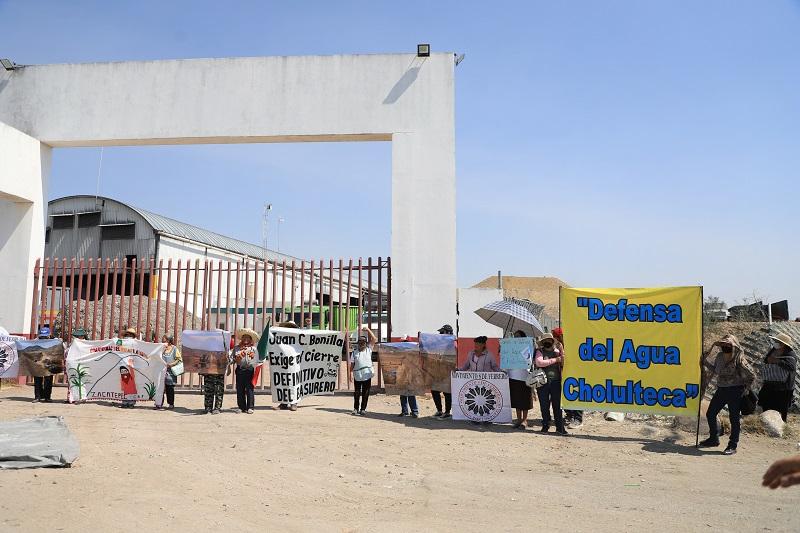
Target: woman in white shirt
[{"x": 361, "y": 361}]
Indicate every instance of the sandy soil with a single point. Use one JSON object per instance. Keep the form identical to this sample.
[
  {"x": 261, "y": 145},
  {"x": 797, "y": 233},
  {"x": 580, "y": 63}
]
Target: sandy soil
[{"x": 321, "y": 468}]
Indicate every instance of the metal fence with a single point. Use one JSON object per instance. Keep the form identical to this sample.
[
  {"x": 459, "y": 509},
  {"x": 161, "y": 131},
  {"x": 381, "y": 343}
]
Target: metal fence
[{"x": 105, "y": 297}]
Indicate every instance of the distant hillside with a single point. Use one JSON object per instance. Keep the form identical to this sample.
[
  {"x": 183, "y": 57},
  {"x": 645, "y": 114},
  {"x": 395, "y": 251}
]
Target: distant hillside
[{"x": 542, "y": 290}]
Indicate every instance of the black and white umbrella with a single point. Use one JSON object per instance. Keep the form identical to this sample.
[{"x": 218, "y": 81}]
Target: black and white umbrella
[{"x": 511, "y": 316}]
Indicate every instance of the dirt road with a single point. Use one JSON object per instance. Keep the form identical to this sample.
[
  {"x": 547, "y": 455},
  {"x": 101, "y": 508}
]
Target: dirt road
[{"x": 321, "y": 468}]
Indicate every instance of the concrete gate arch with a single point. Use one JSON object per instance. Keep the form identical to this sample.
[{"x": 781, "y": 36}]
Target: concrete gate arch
[{"x": 400, "y": 98}]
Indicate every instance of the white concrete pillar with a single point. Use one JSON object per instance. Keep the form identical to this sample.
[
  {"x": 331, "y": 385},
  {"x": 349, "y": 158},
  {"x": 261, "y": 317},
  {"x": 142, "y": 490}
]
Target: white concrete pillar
[
  {"x": 423, "y": 231},
  {"x": 24, "y": 174}
]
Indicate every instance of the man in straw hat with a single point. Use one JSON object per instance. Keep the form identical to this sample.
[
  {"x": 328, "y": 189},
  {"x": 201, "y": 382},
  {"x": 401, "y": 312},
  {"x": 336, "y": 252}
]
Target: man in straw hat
[
  {"x": 778, "y": 372},
  {"x": 245, "y": 357}
]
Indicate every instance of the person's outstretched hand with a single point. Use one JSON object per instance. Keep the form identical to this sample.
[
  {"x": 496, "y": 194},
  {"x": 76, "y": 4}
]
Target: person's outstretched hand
[{"x": 783, "y": 473}]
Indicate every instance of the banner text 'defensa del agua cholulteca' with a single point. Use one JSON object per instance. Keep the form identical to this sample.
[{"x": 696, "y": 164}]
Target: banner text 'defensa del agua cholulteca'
[{"x": 632, "y": 350}]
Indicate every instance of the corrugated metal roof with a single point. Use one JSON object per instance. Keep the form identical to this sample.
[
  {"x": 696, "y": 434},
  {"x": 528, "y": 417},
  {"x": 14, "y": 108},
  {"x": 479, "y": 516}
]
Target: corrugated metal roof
[{"x": 175, "y": 228}]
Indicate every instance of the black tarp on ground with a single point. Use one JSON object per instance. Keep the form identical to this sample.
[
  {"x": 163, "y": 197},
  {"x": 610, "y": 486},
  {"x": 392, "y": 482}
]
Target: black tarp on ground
[{"x": 37, "y": 442}]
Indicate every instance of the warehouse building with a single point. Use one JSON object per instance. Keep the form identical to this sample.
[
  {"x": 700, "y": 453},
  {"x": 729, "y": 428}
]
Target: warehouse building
[{"x": 89, "y": 227}]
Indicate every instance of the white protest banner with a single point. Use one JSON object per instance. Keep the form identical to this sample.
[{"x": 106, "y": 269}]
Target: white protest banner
[
  {"x": 116, "y": 369},
  {"x": 481, "y": 397},
  {"x": 303, "y": 362},
  {"x": 9, "y": 362},
  {"x": 516, "y": 353}
]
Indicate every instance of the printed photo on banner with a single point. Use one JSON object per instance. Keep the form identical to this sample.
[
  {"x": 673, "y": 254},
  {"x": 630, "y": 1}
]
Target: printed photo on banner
[
  {"x": 205, "y": 352},
  {"x": 40, "y": 357},
  {"x": 481, "y": 397},
  {"x": 438, "y": 353},
  {"x": 303, "y": 362},
  {"x": 9, "y": 362},
  {"x": 115, "y": 370},
  {"x": 632, "y": 350},
  {"x": 516, "y": 353},
  {"x": 401, "y": 367}
]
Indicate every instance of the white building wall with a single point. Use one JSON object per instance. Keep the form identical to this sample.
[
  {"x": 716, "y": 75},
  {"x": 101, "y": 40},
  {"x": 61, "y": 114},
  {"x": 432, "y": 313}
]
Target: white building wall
[
  {"x": 24, "y": 175},
  {"x": 398, "y": 97},
  {"x": 469, "y": 301},
  {"x": 183, "y": 251}
]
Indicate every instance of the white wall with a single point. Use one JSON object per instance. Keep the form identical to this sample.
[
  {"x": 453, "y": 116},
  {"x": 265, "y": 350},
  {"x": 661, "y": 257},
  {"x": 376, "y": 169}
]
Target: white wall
[
  {"x": 398, "y": 97},
  {"x": 24, "y": 174},
  {"x": 469, "y": 301}
]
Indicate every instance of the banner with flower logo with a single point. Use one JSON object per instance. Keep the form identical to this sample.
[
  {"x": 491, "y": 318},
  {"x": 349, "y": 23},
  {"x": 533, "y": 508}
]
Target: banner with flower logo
[
  {"x": 481, "y": 397},
  {"x": 116, "y": 370},
  {"x": 9, "y": 363}
]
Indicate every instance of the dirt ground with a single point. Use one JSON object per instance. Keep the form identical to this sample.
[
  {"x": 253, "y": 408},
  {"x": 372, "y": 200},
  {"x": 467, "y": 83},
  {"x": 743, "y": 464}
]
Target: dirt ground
[{"x": 322, "y": 469}]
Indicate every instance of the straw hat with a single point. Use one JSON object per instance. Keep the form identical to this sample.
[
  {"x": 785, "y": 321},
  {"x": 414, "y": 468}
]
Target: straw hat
[
  {"x": 784, "y": 339},
  {"x": 546, "y": 337},
  {"x": 129, "y": 331},
  {"x": 249, "y": 332}
]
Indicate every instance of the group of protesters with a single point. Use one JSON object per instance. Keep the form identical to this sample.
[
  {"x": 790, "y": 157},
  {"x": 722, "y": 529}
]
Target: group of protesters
[
  {"x": 725, "y": 361},
  {"x": 549, "y": 356}
]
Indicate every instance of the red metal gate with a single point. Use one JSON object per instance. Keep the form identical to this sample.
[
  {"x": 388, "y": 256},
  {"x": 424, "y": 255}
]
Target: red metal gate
[{"x": 105, "y": 297}]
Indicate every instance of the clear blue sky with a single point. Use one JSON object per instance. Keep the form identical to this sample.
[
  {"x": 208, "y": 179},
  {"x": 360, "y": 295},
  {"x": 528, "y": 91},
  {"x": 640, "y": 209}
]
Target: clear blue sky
[{"x": 614, "y": 143}]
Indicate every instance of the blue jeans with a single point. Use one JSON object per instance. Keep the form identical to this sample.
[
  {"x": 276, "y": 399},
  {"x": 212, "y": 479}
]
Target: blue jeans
[{"x": 405, "y": 401}]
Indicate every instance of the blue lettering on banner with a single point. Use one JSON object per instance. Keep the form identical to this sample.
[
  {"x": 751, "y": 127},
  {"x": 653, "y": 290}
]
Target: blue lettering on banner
[
  {"x": 623, "y": 311},
  {"x": 631, "y": 393},
  {"x": 643, "y": 356}
]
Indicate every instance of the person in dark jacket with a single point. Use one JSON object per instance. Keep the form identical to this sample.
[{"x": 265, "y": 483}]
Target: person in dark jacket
[
  {"x": 43, "y": 386},
  {"x": 447, "y": 329},
  {"x": 778, "y": 373}
]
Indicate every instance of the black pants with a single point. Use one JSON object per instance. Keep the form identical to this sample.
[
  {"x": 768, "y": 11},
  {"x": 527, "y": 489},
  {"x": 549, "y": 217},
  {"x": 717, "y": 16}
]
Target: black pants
[
  {"x": 169, "y": 391},
  {"x": 437, "y": 400},
  {"x": 577, "y": 416},
  {"x": 362, "y": 391},
  {"x": 245, "y": 392},
  {"x": 43, "y": 388},
  {"x": 732, "y": 397},
  {"x": 550, "y": 395},
  {"x": 773, "y": 397}
]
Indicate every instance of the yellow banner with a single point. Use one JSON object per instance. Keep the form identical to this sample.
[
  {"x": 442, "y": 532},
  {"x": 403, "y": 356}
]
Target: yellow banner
[{"x": 632, "y": 350}]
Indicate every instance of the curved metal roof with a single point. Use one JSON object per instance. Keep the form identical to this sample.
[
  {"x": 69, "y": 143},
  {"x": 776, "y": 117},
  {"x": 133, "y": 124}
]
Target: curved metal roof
[{"x": 175, "y": 228}]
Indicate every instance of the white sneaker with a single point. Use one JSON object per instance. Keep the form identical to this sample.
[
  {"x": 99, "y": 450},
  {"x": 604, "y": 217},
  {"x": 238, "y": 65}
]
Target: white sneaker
[{"x": 355, "y": 412}]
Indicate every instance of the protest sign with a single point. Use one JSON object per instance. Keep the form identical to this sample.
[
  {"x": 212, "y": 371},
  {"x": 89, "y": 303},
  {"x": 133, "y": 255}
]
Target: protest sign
[
  {"x": 438, "y": 354},
  {"x": 481, "y": 397},
  {"x": 205, "y": 352},
  {"x": 303, "y": 362},
  {"x": 632, "y": 350},
  {"x": 9, "y": 362},
  {"x": 40, "y": 357},
  {"x": 401, "y": 367},
  {"x": 516, "y": 353},
  {"x": 116, "y": 369}
]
